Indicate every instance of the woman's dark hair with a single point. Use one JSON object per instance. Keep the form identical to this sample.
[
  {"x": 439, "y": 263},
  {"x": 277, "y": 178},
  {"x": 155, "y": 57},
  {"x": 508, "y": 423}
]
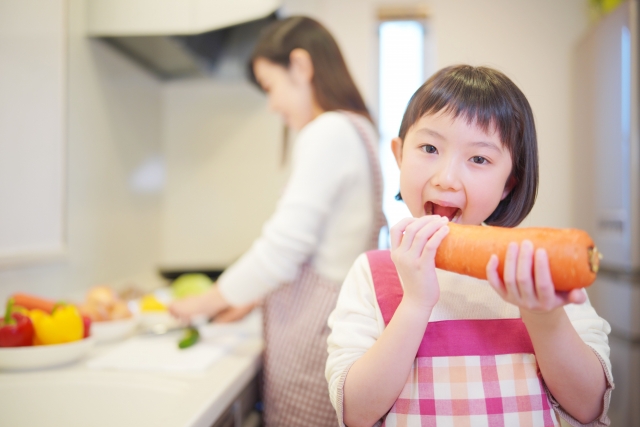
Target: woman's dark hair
[
  {"x": 487, "y": 98},
  {"x": 333, "y": 86}
]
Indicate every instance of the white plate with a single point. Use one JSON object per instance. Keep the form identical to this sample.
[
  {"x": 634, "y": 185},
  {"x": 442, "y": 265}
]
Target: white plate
[
  {"x": 151, "y": 319},
  {"x": 44, "y": 356},
  {"x": 112, "y": 330}
]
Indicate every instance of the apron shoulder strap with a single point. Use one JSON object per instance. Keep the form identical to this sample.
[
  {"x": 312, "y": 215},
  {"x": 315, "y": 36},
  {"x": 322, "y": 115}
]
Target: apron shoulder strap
[
  {"x": 386, "y": 282},
  {"x": 376, "y": 174}
]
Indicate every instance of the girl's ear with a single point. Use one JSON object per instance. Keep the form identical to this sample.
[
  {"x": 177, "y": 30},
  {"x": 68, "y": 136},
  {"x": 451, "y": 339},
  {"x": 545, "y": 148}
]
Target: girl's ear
[
  {"x": 511, "y": 182},
  {"x": 300, "y": 65},
  {"x": 396, "y": 147}
]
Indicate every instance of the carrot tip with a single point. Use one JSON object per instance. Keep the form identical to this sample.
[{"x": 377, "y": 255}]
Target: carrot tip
[{"x": 594, "y": 259}]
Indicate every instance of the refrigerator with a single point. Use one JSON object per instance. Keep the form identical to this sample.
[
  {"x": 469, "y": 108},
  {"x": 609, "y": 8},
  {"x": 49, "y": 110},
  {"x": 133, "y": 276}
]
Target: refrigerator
[{"x": 607, "y": 188}]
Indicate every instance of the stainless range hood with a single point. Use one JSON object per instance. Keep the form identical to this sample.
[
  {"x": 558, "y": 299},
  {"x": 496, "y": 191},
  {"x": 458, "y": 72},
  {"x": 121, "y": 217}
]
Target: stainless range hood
[{"x": 183, "y": 38}]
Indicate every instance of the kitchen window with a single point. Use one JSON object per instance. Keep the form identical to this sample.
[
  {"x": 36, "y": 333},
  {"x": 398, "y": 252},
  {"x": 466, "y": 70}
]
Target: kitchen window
[{"x": 403, "y": 58}]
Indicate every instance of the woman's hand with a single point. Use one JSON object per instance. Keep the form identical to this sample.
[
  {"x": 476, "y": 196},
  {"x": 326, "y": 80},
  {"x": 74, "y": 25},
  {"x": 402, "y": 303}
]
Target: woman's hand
[
  {"x": 414, "y": 242},
  {"x": 208, "y": 304},
  {"x": 233, "y": 314},
  {"x": 527, "y": 280}
]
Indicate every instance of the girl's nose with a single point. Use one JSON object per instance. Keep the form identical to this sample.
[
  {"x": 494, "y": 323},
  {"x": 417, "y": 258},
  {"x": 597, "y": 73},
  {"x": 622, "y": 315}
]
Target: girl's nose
[{"x": 447, "y": 175}]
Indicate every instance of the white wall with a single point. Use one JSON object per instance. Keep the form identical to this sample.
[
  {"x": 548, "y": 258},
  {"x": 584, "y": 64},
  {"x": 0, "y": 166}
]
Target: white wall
[
  {"x": 532, "y": 42},
  {"x": 224, "y": 171},
  {"x": 114, "y": 113},
  {"x": 529, "y": 40}
]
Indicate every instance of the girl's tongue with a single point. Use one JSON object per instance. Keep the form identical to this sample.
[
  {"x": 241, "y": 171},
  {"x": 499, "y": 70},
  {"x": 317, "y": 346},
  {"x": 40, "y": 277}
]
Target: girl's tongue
[{"x": 448, "y": 211}]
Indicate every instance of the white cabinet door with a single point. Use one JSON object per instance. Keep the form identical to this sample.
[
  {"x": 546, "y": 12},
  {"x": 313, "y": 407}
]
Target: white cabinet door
[{"x": 32, "y": 128}]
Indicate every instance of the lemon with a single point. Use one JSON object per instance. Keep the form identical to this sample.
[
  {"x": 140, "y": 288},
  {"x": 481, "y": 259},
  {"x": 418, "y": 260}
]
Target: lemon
[{"x": 151, "y": 303}]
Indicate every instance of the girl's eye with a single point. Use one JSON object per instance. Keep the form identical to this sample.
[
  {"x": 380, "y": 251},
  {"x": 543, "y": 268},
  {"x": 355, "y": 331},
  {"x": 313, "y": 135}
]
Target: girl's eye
[
  {"x": 429, "y": 149},
  {"x": 479, "y": 160}
]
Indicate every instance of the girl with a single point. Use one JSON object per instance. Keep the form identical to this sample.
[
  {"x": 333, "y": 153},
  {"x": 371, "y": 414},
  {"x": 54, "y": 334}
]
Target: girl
[
  {"x": 329, "y": 213},
  {"x": 412, "y": 345}
]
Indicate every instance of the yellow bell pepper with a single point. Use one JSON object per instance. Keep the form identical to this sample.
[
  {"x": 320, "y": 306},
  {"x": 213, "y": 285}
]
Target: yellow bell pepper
[{"x": 63, "y": 325}]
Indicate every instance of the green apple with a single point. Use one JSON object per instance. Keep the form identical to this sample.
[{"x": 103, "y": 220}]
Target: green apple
[{"x": 190, "y": 284}]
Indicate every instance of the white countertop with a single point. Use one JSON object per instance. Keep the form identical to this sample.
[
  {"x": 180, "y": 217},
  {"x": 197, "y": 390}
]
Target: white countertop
[{"x": 76, "y": 395}]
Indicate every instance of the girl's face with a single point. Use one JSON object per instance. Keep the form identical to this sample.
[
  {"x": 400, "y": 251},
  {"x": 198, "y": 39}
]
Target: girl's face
[
  {"x": 289, "y": 89},
  {"x": 451, "y": 168}
]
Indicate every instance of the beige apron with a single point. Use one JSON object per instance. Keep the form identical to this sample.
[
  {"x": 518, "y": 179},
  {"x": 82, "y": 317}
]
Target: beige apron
[{"x": 295, "y": 331}]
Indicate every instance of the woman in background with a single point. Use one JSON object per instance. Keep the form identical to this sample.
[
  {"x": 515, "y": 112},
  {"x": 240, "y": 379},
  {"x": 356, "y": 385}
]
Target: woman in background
[{"x": 329, "y": 213}]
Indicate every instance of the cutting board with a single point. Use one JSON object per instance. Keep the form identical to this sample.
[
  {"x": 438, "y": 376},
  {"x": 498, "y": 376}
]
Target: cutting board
[{"x": 159, "y": 354}]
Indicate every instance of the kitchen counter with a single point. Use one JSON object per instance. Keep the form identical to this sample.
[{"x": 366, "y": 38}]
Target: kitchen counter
[{"x": 76, "y": 395}]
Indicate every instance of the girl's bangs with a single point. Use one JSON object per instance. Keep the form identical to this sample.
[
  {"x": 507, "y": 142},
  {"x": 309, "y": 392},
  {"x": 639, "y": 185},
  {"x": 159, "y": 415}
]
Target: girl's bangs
[{"x": 480, "y": 106}]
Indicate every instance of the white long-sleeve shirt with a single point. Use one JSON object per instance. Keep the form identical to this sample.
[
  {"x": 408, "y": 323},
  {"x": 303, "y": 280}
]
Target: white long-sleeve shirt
[
  {"x": 357, "y": 322},
  {"x": 325, "y": 215}
]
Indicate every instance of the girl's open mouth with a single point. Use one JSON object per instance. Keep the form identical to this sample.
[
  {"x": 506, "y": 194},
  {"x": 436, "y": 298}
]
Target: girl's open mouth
[{"x": 451, "y": 212}]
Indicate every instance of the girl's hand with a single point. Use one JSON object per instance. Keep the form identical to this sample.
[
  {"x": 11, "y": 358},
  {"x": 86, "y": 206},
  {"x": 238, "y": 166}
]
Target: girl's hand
[
  {"x": 414, "y": 242},
  {"x": 527, "y": 280}
]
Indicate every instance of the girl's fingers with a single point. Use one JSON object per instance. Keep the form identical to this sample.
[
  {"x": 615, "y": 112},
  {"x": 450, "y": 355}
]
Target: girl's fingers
[
  {"x": 577, "y": 296},
  {"x": 410, "y": 233},
  {"x": 397, "y": 231},
  {"x": 509, "y": 276},
  {"x": 574, "y": 296},
  {"x": 426, "y": 234},
  {"x": 544, "y": 283},
  {"x": 408, "y": 243},
  {"x": 428, "y": 250},
  {"x": 524, "y": 272},
  {"x": 494, "y": 278}
]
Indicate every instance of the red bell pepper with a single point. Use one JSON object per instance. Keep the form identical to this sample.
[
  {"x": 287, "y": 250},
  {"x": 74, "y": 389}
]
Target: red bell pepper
[
  {"x": 86, "y": 322},
  {"x": 16, "y": 329}
]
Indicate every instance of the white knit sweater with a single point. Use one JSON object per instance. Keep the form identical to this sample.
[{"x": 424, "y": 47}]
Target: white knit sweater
[{"x": 325, "y": 215}]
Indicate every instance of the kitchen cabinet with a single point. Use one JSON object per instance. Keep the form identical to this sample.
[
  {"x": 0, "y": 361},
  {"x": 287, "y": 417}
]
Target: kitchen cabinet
[
  {"x": 172, "y": 17},
  {"x": 32, "y": 130},
  {"x": 242, "y": 412}
]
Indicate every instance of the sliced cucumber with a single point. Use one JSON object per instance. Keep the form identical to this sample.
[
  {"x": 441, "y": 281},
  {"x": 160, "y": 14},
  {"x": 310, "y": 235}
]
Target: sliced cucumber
[{"x": 191, "y": 336}]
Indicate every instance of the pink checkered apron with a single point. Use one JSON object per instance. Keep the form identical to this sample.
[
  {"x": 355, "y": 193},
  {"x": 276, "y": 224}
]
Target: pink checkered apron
[
  {"x": 467, "y": 372},
  {"x": 295, "y": 332}
]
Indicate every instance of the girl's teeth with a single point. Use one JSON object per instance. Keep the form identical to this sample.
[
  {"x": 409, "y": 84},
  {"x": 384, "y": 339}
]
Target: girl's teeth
[{"x": 429, "y": 210}]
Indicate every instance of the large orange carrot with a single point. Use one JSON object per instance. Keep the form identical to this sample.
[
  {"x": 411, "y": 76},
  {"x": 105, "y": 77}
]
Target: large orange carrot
[
  {"x": 573, "y": 257},
  {"x": 31, "y": 302}
]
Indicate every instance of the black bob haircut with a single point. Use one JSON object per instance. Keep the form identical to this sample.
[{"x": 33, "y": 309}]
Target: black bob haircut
[{"x": 489, "y": 99}]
